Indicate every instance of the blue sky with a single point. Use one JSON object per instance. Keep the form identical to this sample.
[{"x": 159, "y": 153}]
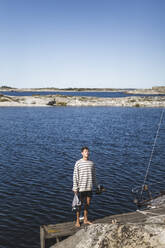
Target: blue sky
[{"x": 82, "y": 43}]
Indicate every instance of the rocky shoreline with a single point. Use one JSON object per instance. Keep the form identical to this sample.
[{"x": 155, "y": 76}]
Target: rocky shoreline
[
  {"x": 61, "y": 100},
  {"x": 140, "y": 229}
]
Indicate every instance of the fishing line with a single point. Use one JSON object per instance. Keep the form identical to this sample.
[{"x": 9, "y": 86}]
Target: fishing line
[{"x": 153, "y": 148}]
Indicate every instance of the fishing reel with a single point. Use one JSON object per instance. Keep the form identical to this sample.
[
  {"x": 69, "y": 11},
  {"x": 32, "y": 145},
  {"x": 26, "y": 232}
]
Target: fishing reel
[
  {"x": 142, "y": 195},
  {"x": 100, "y": 189}
]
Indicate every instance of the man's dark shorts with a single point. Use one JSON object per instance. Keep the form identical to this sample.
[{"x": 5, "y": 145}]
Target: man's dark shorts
[{"x": 85, "y": 194}]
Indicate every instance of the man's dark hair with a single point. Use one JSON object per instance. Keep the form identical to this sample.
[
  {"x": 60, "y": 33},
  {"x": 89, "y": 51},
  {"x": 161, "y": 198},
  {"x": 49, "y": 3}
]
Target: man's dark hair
[{"x": 84, "y": 148}]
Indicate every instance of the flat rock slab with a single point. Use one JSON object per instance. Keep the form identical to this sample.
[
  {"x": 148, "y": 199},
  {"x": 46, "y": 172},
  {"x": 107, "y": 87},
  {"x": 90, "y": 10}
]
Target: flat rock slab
[
  {"x": 140, "y": 229},
  {"x": 146, "y": 217}
]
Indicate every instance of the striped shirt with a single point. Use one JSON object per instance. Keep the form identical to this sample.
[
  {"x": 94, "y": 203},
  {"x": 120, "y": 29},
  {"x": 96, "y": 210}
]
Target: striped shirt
[{"x": 84, "y": 176}]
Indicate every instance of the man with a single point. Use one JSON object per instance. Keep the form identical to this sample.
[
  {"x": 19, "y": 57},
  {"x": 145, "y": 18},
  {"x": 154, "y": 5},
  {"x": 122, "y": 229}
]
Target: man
[{"x": 84, "y": 178}]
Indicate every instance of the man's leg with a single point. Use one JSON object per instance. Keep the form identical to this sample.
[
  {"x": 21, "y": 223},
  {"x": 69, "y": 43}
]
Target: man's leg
[
  {"x": 81, "y": 197},
  {"x": 87, "y": 203},
  {"x": 78, "y": 217}
]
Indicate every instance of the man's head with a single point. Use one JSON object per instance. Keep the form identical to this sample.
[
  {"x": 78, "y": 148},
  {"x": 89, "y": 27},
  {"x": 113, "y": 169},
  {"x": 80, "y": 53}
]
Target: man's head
[{"x": 85, "y": 152}]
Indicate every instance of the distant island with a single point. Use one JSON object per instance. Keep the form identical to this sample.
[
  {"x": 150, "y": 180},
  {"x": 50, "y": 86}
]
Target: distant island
[
  {"x": 4, "y": 87},
  {"x": 60, "y": 100},
  {"x": 153, "y": 90},
  {"x": 53, "y": 89}
]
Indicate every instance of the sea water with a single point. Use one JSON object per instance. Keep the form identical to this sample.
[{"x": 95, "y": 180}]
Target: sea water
[{"x": 38, "y": 150}]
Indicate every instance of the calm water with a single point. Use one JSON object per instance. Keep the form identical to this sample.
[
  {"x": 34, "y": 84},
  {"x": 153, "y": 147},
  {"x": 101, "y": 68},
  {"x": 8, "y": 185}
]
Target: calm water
[
  {"x": 81, "y": 93},
  {"x": 39, "y": 147}
]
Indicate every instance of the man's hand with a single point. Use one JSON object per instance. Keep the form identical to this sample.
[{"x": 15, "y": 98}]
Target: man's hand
[
  {"x": 100, "y": 189},
  {"x": 76, "y": 192}
]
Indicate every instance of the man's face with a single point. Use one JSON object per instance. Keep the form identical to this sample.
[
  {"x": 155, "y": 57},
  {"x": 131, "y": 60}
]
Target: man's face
[{"x": 85, "y": 153}]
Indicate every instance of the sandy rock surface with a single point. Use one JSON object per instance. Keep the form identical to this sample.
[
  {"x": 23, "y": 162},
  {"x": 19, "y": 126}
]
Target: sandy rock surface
[
  {"x": 145, "y": 235},
  {"x": 60, "y": 100}
]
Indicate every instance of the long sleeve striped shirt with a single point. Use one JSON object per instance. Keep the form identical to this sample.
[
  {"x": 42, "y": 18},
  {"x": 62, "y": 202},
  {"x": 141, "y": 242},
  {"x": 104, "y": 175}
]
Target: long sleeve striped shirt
[{"x": 84, "y": 175}]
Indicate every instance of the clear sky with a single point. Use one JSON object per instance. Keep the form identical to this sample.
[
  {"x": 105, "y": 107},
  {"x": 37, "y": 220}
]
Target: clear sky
[{"x": 82, "y": 43}]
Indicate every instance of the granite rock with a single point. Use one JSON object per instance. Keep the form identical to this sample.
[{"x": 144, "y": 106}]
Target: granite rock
[{"x": 150, "y": 234}]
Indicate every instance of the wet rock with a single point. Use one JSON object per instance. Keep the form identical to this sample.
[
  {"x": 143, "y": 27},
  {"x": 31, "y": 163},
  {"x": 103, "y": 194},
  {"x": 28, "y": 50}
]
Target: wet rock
[{"x": 51, "y": 103}]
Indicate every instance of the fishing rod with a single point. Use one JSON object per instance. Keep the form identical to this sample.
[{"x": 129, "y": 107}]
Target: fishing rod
[{"x": 144, "y": 187}]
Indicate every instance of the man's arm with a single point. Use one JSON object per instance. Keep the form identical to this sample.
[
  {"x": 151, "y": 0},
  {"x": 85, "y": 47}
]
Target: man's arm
[{"x": 75, "y": 179}]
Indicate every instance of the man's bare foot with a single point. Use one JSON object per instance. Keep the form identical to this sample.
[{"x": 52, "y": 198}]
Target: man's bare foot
[
  {"x": 87, "y": 222},
  {"x": 114, "y": 221},
  {"x": 77, "y": 224}
]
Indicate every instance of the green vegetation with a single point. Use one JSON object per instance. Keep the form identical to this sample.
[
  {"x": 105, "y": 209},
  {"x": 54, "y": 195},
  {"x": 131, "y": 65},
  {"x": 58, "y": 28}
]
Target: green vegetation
[
  {"x": 16, "y": 99},
  {"x": 4, "y": 87},
  {"x": 132, "y": 100},
  {"x": 4, "y": 99},
  {"x": 89, "y": 89},
  {"x": 61, "y": 104},
  {"x": 8, "y": 99},
  {"x": 82, "y": 98},
  {"x": 137, "y": 105},
  {"x": 47, "y": 89}
]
